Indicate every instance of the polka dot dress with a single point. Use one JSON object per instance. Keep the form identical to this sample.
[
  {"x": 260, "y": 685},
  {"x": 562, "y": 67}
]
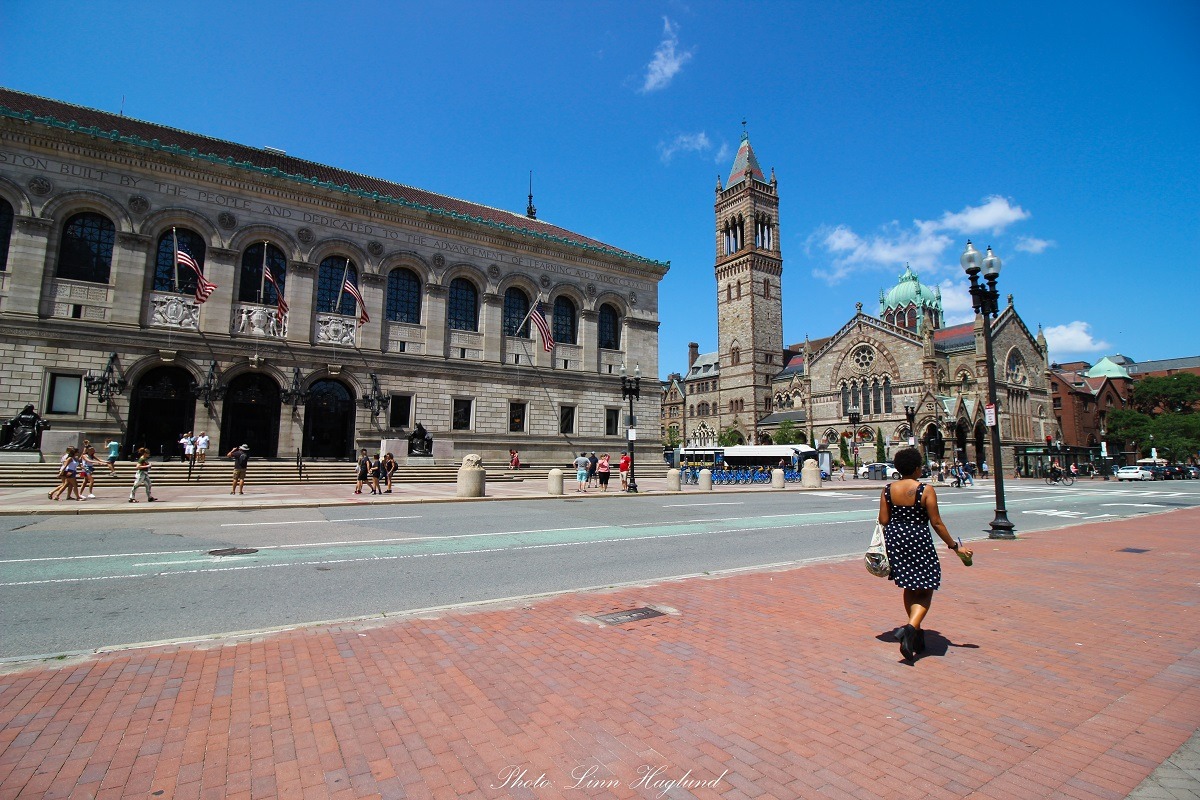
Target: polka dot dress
[{"x": 909, "y": 544}]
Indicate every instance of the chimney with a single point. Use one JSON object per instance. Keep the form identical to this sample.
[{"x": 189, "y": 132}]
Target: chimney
[{"x": 693, "y": 353}]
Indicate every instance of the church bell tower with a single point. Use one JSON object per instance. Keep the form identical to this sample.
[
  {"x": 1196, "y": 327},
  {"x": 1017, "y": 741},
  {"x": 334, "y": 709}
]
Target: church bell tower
[{"x": 748, "y": 269}]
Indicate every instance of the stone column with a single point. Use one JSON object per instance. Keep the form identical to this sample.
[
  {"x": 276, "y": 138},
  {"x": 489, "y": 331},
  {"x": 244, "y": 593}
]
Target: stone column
[
  {"x": 300, "y": 291},
  {"x": 27, "y": 263},
  {"x": 128, "y": 278},
  {"x": 370, "y": 336},
  {"x": 493, "y": 339},
  {"x": 589, "y": 340},
  {"x": 435, "y": 320},
  {"x": 216, "y": 315}
]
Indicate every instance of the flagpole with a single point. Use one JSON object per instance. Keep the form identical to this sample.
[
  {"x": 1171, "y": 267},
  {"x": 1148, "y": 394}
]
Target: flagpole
[
  {"x": 175, "y": 253},
  {"x": 262, "y": 278},
  {"x": 337, "y": 307}
]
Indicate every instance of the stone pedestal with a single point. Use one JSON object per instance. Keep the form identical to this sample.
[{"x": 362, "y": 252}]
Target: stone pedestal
[
  {"x": 705, "y": 480},
  {"x": 22, "y": 456},
  {"x": 672, "y": 480},
  {"x": 55, "y": 442},
  {"x": 554, "y": 481},
  {"x": 471, "y": 477},
  {"x": 397, "y": 447},
  {"x": 776, "y": 479},
  {"x": 415, "y": 461},
  {"x": 810, "y": 475}
]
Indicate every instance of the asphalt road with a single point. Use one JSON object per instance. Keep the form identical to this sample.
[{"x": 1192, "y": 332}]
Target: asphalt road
[{"x": 76, "y": 583}]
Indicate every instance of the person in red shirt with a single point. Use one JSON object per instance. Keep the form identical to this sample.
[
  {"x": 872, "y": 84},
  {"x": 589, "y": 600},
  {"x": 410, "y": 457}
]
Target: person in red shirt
[{"x": 623, "y": 468}]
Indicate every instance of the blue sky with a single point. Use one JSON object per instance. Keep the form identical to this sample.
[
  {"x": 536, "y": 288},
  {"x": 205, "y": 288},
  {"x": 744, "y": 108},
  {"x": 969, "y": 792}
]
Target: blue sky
[{"x": 1066, "y": 135}]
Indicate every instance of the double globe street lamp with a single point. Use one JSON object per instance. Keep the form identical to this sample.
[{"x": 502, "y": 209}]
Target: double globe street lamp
[
  {"x": 984, "y": 301},
  {"x": 855, "y": 415},
  {"x": 631, "y": 390}
]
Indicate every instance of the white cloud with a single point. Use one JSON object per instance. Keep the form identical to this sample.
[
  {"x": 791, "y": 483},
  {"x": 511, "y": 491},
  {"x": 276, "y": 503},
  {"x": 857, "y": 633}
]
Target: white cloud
[
  {"x": 956, "y": 302},
  {"x": 1074, "y": 338},
  {"x": 684, "y": 142},
  {"x": 724, "y": 153},
  {"x": 667, "y": 61},
  {"x": 923, "y": 245},
  {"x": 1031, "y": 244}
]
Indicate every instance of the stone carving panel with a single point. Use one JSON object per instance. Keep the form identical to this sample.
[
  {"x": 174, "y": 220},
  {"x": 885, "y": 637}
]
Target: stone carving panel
[
  {"x": 336, "y": 329},
  {"x": 174, "y": 311},
  {"x": 251, "y": 319}
]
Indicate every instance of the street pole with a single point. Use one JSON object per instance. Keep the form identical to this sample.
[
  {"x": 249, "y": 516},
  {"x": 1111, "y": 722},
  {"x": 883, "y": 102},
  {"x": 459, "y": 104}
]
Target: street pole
[
  {"x": 983, "y": 299},
  {"x": 855, "y": 416},
  {"x": 631, "y": 390}
]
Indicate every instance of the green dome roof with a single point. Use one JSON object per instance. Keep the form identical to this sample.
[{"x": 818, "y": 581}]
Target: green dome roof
[
  {"x": 910, "y": 291},
  {"x": 1106, "y": 368}
]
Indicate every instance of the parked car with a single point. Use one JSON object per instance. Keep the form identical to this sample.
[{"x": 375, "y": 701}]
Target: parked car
[
  {"x": 892, "y": 473},
  {"x": 1158, "y": 473},
  {"x": 1176, "y": 472},
  {"x": 1193, "y": 472},
  {"x": 1135, "y": 473}
]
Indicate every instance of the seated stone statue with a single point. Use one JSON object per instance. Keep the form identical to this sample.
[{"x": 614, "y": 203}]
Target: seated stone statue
[
  {"x": 24, "y": 431},
  {"x": 420, "y": 442}
]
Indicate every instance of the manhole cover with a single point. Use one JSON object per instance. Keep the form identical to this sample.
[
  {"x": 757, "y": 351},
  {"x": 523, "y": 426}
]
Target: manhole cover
[
  {"x": 632, "y": 615},
  {"x": 233, "y": 551},
  {"x": 1133, "y": 550}
]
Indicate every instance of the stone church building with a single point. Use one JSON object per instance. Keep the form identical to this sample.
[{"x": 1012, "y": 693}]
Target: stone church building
[
  {"x": 347, "y": 309},
  {"x": 878, "y": 364}
]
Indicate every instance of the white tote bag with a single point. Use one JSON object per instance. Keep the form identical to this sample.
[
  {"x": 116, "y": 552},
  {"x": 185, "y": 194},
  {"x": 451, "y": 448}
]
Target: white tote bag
[{"x": 876, "y": 558}]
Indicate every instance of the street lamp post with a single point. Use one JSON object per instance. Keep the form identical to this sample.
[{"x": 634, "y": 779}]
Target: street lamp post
[
  {"x": 910, "y": 414},
  {"x": 855, "y": 416},
  {"x": 984, "y": 301},
  {"x": 631, "y": 390},
  {"x": 1104, "y": 470}
]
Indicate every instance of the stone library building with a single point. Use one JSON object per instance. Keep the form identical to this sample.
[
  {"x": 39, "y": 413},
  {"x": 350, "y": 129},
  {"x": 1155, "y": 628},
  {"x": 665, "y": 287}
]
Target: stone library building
[{"x": 155, "y": 282}]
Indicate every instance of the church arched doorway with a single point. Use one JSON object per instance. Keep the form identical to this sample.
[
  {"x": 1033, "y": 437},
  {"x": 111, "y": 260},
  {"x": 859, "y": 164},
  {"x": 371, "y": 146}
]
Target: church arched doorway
[
  {"x": 980, "y": 443},
  {"x": 329, "y": 420},
  {"x": 161, "y": 409},
  {"x": 935, "y": 445},
  {"x": 250, "y": 415},
  {"x": 961, "y": 431}
]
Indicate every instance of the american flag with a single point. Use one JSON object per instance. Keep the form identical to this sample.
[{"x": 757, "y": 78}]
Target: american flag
[
  {"x": 283, "y": 306},
  {"x": 352, "y": 290},
  {"x": 204, "y": 287},
  {"x": 539, "y": 319}
]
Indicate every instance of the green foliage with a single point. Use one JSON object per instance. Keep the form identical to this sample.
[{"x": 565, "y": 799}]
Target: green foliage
[
  {"x": 843, "y": 450},
  {"x": 1176, "y": 435},
  {"x": 880, "y": 450},
  {"x": 786, "y": 433},
  {"x": 1175, "y": 394},
  {"x": 729, "y": 437},
  {"x": 673, "y": 439}
]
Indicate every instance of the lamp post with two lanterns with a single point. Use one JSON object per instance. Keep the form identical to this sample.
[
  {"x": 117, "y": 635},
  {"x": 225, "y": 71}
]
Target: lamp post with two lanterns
[
  {"x": 984, "y": 301},
  {"x": 631, "y": 390},
  {"x": 855, "y": 415}
]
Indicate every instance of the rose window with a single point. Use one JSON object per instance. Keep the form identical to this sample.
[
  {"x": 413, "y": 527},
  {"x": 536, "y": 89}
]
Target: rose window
[{"x": 863, "y": 357}]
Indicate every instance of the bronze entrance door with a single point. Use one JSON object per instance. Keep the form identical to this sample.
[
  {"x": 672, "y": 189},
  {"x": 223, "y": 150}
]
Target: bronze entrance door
[
  {"x": 329, "y": 421},
  {"x": 161, "y": 409},
  {"x": 250, "y": 415}
]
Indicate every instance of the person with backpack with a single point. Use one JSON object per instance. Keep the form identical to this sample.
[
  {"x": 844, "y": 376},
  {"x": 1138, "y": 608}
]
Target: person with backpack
[{"x": 241, "y": 459}]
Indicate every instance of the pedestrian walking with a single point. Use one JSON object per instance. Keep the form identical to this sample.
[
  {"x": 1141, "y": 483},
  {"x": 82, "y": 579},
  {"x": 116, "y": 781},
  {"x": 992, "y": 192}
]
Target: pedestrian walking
[
  {"x": 241, "y": 459},
  {"x": 141, "y": 476},
  {"x": 87, "y": 471},
  {"x": 983, "y": 469},
  {"x": 364, "y": 471},
  {"x": 202, "y": 442},
  {"x": 581, "y": 472},
  {"x": 623, "y": 470},
  {"x": 514, "y": 460},
  {"x": 603, "y": 470},
  {"x": 907, "y": 510},
  {"x": 68, "y": 466},
  {"x": 593, "y": 462},
  {"x": 389, "y": 469},
  {"x": 376, "y": 470},
  {"x": 114, "y": 449},
  {"x": 841, "y": 472}
]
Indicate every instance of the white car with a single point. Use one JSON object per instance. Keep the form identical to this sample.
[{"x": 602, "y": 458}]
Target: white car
[
  {"x": 1134, "y": 474},
  {"x": 892, "y": 473}
]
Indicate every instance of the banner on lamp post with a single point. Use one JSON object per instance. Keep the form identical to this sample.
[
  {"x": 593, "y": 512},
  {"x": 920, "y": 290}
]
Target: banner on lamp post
[{"x": 989, "y": 415}]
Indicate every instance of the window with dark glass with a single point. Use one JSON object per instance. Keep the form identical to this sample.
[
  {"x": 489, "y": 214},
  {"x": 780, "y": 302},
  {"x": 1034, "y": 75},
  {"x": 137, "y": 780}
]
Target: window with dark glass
[
  {"x": 461, "y": 414},
  {"x": 253, "y": 287},
  {"x": 85, "y": 253},
  {"x": 462, "y": 306},
  {"x": 64, "y": 394},
  {"x": 400, "y": 411},
  {"x": 516, "y": 417},
  {"x": 6, "y": 224},
  {"x": 564, "y": 321},
  {"x": 845, "y": 400},
  {"x": 165, "y": 272},
  {"x": 566, "y": 419},
  {"x": 612, "y": 418},
  {"x": 887, "y": 396},
  {"x": 404, "y": 296},
  {"x": 610, "y": 328},
  {"x": 516, "y": 309},
  {"x": 331, "y": 277}
]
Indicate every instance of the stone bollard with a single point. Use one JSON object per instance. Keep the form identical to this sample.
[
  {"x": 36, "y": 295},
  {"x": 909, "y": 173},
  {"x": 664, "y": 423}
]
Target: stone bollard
[
  {"x": 554, "y": 481},
  {"x": 776, "y": 479},
  {"x": 706, "y": 480},
  {"x": 810, "y": 474},
  {"x": 471, "y": 477},
  {"x": 672, "y": 480}
]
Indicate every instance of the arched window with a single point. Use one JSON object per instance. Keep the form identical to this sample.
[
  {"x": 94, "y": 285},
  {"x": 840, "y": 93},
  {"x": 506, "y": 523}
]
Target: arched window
[
  {"x": 6, "y": 223},
  {"x": 329, "y": 286},
  {"x": 254, "y": 287},
  {"x": 845, "y": 399},
  {"x": 462, "y": 309},
  {"x": 866, "y": 398},
  {"x": 877, "y": 393},
  {"x": 165, "y": 273},
  {"x": 889, "y": 318},
  {"x": 516, "y": 311},
  {"x": 404, "y": 296},
  {"x": 564, "y": 320},
  {"x": 855, "y": 398},
  {"x": 912, "y": 317},
  {"x": 887, "y": 395},
  {"x": 766, "y": 288},
  {"x": 85, "y": 253},
  {"x": 739, "y": 290},
  {"x": 610, "y": 328},
  {"x": 735, "y": 356},
  {"x": 728, "y": 292}
]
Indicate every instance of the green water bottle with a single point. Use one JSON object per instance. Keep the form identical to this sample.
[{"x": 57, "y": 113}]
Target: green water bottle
[{"x": 967, "y": 560}]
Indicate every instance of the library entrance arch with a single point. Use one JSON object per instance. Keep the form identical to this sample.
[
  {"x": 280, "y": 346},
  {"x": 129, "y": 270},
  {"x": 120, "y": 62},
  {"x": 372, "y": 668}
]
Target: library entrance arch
[
  {"x": 329, "y": 420},
  {"x": 250, "y": 415},
  {"x": 161, "y": 409}
]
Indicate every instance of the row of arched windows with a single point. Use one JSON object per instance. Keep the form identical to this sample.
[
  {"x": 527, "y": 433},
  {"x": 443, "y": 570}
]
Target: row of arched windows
[
  {"x": 733, "y": 233},
  {"x": 86, "y": 252},
  {"x": 871, "y": 396},
  {"x": 907, "y": 318},
  {"x": 730, "y": 288}
]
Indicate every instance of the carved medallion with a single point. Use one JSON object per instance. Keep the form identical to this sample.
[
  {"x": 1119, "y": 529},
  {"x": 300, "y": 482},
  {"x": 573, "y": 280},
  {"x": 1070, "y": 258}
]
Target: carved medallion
[
  {"x": 545, "y": 281},
  {"x": 226, "y": 220},
  {"x": 305, "y": 235},
  {"x": 40, "y": 186},
  {"x": 375, "y": 249},
  {"x": 139, "y": 204},
  {"x": 439, "y": 260},
  {"x": 494, "y": 271},
  {"x": 591, "y": 290},
  {"x": 633, "y": 298}
]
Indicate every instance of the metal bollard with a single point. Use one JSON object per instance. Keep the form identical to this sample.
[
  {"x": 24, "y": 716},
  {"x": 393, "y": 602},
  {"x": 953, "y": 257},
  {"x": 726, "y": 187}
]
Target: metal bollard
[
  {"x": 554, "y": 481},
  {"x": 776, "y": 479},
  {"x": 672, "y": 480},
  {"x": 706, "y": 480}
]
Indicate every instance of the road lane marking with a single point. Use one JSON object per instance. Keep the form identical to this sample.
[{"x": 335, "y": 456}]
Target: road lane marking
[
  {"x": 310, "y": 521},
  {"x": 694, "y": 505}
]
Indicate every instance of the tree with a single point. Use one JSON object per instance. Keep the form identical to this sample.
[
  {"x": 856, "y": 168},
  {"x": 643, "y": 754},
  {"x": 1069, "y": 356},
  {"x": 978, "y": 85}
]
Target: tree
[
  {"x": 786, "y": 433},
  {"x": 843, "y": 450},
  {"x": 1177, "y": 394},
  {"x": 729, "y": 437},
  {"x": 673, "y": 439}
]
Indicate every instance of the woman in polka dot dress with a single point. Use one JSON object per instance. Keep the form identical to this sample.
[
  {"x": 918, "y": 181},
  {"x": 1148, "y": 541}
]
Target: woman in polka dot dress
[{"x": 907, "y": 509}]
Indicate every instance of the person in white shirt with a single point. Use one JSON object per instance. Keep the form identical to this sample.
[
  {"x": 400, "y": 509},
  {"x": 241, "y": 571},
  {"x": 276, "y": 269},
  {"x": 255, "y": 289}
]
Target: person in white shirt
[
  {"x": 189, "y": 446},
  {"x": 202, "y": 446}
]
